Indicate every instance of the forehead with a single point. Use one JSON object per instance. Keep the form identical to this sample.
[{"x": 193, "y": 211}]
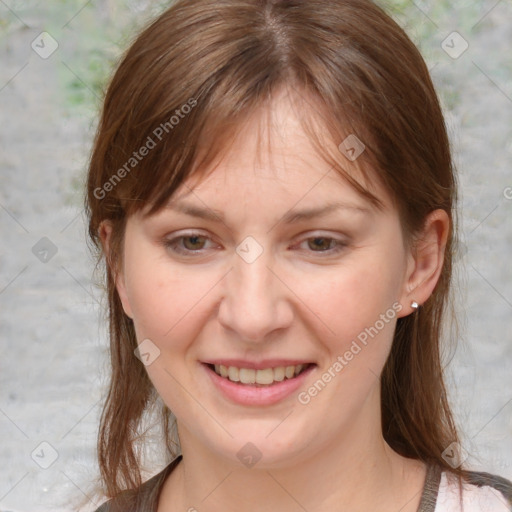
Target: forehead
[{"x": 284, "y": 148}]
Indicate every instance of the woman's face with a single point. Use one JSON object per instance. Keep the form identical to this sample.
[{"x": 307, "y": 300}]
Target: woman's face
[{"x": 270, "y": 262}]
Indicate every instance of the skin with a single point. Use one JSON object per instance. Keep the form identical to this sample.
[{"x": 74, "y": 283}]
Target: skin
[{"x": 299, "y": 298}]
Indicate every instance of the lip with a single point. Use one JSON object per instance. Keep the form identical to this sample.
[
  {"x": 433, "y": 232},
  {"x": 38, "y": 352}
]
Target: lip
[{"x": 247, "y": 394}]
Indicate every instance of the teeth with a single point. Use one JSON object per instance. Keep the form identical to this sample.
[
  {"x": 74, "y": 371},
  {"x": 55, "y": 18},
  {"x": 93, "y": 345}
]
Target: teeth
[
  {"x": 247, "y": 376},
  {"x": 264, "y": 377},
  {"x": 279, "y": 373},
  {"x": 233, "y": 374}
]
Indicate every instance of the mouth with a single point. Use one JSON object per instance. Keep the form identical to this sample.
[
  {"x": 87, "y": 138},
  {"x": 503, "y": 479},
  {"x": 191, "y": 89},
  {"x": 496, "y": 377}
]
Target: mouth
[
  {"x": 271, "y": 383},
  {"x": 257, "y": 378}
]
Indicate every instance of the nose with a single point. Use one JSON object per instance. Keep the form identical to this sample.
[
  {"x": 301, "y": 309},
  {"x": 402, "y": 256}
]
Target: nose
[{"x": 255, "y": 302}]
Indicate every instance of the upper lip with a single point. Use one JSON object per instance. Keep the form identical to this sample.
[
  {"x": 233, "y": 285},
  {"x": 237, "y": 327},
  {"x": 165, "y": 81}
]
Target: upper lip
[{"x": 257, "y": 365}]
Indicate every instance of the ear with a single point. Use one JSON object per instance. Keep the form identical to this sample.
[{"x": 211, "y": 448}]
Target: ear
[
  {"x": 105, "y": 233},
  {"x": 425, "y": 260}
]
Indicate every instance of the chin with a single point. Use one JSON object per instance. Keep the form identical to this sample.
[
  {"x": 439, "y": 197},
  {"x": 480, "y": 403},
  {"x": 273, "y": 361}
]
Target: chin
[{"x": 260, "y": 448}]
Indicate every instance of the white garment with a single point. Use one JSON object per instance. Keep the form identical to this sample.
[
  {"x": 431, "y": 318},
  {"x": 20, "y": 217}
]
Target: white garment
[{"x": 475, "y": 498}]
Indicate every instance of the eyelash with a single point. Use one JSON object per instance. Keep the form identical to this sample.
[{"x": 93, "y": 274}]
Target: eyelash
[{"x": 172, "y": 244}]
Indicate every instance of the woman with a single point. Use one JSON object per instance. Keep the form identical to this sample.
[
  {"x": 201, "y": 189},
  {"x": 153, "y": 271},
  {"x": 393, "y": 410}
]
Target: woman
[{"x": 272, "y": 188}]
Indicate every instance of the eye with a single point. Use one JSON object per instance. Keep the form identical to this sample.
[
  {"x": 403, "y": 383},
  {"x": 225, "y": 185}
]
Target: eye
[
  {"x": 187, "y": 244},
  {"x": 324, "y": 244}
]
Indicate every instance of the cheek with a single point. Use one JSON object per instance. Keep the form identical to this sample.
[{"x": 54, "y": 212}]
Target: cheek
[
  {"x": 350, "y": 299},
  {"x": 357, "y": 313},
  {"x": 166, "y": 302},
  {"x": 168, "y": 309}
]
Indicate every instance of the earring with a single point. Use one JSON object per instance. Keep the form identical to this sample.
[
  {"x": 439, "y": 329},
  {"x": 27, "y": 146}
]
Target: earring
[{"x": 414, "y": 305}]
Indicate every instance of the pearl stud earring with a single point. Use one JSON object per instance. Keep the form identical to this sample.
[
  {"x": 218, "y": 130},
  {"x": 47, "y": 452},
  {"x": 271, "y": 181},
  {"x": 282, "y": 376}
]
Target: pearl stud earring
[{"x": 414, "y": 305}]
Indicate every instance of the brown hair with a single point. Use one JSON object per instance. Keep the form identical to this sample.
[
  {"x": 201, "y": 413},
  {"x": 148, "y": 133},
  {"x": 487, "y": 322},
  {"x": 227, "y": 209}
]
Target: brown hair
[{"x": 181, "y": 91}]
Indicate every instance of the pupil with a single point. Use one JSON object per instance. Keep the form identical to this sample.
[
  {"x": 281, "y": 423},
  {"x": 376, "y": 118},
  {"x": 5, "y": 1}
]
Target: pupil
[
  {"x": 318, "y": 242},
  {"x": 194, "y": 240}
]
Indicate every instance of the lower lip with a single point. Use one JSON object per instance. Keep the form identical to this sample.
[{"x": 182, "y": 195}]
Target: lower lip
[{"x": 247, "y": 394}]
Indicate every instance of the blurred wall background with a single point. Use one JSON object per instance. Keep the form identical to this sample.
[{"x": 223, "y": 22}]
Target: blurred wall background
[{"x": 55, "y": 58}]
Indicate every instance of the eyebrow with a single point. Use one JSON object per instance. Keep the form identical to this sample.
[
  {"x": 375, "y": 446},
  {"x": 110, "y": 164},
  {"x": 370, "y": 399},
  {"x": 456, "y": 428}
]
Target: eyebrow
[{"x": 292, "y": 216}]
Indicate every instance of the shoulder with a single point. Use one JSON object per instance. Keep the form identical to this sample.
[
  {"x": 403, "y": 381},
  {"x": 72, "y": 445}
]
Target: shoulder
[
  {"x": 142, "y": 499},
  {"x": 481, "y": 492}
]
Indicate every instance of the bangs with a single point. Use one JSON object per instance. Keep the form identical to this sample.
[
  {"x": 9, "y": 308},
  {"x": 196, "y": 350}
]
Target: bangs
[{"x": 191, "y": 160}]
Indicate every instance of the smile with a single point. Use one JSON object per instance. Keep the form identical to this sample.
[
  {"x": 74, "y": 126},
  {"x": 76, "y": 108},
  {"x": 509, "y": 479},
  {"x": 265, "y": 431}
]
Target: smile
[
  {"x": 266, "y": 383},
  {"x": 263, "y": 377}
]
